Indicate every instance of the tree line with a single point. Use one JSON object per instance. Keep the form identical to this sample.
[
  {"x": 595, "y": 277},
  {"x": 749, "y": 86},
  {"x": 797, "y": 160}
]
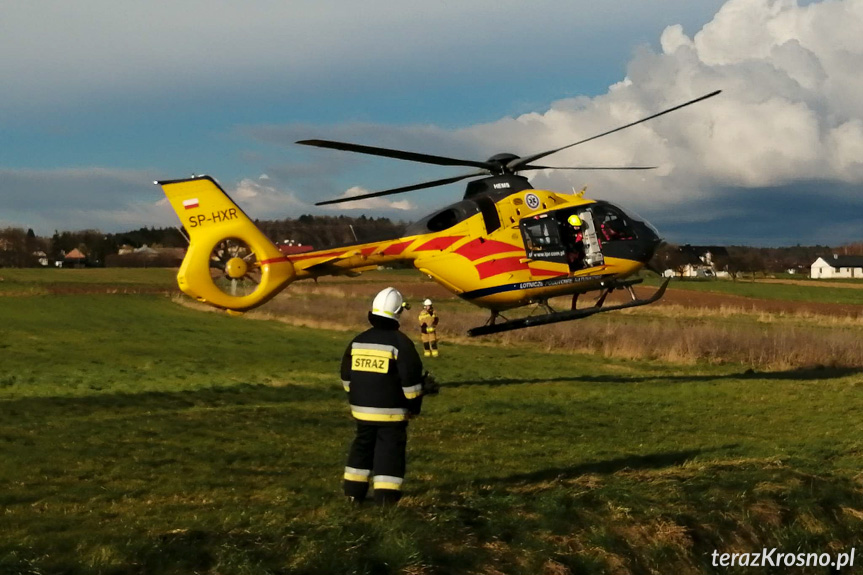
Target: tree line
[
  {"x": 738, "y": 260},
  {"x": 323, "y": 232},
  {"x": 23, "y": 248}
]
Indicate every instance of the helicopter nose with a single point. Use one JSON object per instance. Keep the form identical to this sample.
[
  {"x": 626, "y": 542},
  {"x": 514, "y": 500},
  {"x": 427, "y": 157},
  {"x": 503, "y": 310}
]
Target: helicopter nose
[{"x": 650, "y": 239}]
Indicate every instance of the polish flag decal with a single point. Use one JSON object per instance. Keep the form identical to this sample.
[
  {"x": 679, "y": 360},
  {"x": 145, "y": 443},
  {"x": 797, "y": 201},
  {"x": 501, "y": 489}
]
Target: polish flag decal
[{"x": 189, "y": 204}]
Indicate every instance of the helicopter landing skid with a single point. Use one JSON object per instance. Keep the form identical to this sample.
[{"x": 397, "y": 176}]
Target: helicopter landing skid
[{"x": 555, "y": 317}]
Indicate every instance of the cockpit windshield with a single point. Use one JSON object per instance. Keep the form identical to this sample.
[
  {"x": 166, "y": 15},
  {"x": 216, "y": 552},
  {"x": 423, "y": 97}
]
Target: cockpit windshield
[
  {"x": 581, "y": 236},
  {"x": 612, "y": 224}
]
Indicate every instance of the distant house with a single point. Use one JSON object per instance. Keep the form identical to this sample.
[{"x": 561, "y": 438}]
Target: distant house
[
  {"x": 145, "y": 257},
  {"x": 291, "y": 248},
  {"x": 700, "y": 261},
  {"x": 837, "y": 267},
  {"x": 146, "y": 251},
  {"x": 74, "y": 259}
]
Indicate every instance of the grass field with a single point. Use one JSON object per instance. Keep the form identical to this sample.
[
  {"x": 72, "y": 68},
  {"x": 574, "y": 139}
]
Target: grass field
[
  {"x": 823, "y": 291},
  {"x": 33, "y": 281},
  {"x": 142, "y": 436}
]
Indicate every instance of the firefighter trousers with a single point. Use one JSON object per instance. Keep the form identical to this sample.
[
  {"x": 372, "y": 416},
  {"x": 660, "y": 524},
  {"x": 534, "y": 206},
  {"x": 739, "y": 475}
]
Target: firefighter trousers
[
  {"x": 430, "y": 344},
  {"x": 377, "y": 456}
]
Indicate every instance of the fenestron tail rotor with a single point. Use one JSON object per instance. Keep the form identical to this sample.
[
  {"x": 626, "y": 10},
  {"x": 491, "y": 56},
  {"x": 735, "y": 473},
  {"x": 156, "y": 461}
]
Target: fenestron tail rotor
[
  {"x": 234, "y": 268},
  {"x": 497, "y": 165}
]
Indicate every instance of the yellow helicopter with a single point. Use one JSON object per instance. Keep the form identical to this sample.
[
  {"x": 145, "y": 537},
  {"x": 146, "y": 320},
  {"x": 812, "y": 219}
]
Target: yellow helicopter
[{"x": 503, "y": 246}]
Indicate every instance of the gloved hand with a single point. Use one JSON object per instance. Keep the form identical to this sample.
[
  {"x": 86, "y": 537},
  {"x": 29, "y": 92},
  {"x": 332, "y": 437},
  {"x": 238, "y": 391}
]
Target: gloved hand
[{"x": 430, "y": 385}]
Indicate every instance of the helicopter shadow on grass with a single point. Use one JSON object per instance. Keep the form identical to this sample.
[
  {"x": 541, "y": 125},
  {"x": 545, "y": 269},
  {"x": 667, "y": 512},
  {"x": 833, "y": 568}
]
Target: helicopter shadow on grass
[{"x": 817, "y": 373}]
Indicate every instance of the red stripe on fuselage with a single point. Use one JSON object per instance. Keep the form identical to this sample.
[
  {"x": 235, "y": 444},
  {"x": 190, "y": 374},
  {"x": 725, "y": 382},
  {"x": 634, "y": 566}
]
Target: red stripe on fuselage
[
  {"x": 537, "y": 272},
  {"x": 439, "y": 243},
  {"x": 275, "y": 260},
  {"x": 479, "y": 248},
  {"x": 500, "y": 266},
  {"x": 396, "y": 249},
  {"x": 316, "y": 255}
]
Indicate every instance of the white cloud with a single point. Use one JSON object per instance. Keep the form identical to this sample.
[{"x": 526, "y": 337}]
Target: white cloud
[
  {"x": 371, "y": 203},
  {"x": 790, "y": 112},
  {"x": 261, "y": 200},
  {"x": 114, "y": 200},
  {"x": 69, "y": 199},
  {"x": 790, "y": 109}
]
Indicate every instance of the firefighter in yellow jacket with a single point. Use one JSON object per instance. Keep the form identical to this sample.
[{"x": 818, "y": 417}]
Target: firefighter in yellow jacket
[
  {"x": 428, "y": 327},
  {"x": 383, "y": 375}
]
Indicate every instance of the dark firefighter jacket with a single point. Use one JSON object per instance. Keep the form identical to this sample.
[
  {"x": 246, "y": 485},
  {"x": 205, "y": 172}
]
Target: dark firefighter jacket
[{"x": 382, "y": 373}]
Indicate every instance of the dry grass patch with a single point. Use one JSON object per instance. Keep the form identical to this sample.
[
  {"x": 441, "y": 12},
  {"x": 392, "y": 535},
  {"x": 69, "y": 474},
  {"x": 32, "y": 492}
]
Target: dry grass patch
[{"x": 670, "y": 333}]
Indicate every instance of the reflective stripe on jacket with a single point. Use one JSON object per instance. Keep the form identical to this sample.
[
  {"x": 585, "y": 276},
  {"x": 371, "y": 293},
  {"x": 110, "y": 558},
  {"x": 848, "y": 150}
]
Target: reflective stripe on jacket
[
  {"x": 428, "y": 321},
  {"x": 382, "y": 373}
]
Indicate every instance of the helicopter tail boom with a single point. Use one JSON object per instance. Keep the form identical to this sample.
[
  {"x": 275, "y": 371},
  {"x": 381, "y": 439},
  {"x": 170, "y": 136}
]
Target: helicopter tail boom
[{"x": 225, "y": 248}]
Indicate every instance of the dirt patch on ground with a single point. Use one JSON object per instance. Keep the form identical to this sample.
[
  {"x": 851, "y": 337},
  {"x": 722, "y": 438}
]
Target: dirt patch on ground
[
  {"x": 416, "y": 287},
  {"x": 415, "y": 291}
]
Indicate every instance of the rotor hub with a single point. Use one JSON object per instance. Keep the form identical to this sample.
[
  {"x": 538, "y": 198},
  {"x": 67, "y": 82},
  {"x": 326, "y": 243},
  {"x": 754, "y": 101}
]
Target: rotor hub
[
  {"x": 501, "y": 163},
  {"x": 236, "y": 268}
]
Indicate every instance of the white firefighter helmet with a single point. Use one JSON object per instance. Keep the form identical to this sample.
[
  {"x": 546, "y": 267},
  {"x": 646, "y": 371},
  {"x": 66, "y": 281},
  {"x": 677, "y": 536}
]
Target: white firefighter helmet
[
  {"x": 388, "y": 303},
  {"x": 427, "y": 302}
]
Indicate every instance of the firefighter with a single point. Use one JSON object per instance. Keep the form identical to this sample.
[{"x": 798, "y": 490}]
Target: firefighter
[
  {"x": 383, "y": 375},
  {"x": 428, "y": 327},
  {"x": 573, "y": 241}
]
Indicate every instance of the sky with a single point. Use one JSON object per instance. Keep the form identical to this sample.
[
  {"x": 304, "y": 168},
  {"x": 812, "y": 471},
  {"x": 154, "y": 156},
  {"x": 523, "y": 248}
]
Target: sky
[{"x": 101, "y": 98}]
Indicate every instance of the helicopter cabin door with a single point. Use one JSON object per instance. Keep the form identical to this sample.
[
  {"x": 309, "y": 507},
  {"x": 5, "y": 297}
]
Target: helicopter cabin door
[
  {"x": 542, "y": 241},
  {"x": 592, "y": 249}
]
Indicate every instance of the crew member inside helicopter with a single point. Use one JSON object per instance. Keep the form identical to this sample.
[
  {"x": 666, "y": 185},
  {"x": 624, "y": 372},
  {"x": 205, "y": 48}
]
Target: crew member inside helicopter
[
  {"x": 612, "y": 228},
  {"x": 573, "y": 242}
]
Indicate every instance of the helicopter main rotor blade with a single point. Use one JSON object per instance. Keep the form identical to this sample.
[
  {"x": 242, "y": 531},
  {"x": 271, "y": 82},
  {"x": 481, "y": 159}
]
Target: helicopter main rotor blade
[
  {"x": 521, "y": 169},
  {"x": 517, "y": 164},
  {"x": 390, "y": 192},
  {"x": 397, "y": 154}
]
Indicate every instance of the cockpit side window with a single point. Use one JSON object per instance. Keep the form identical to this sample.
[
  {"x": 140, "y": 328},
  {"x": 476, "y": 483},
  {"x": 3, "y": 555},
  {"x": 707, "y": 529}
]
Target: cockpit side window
[{"x": 444, "y": 219}]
